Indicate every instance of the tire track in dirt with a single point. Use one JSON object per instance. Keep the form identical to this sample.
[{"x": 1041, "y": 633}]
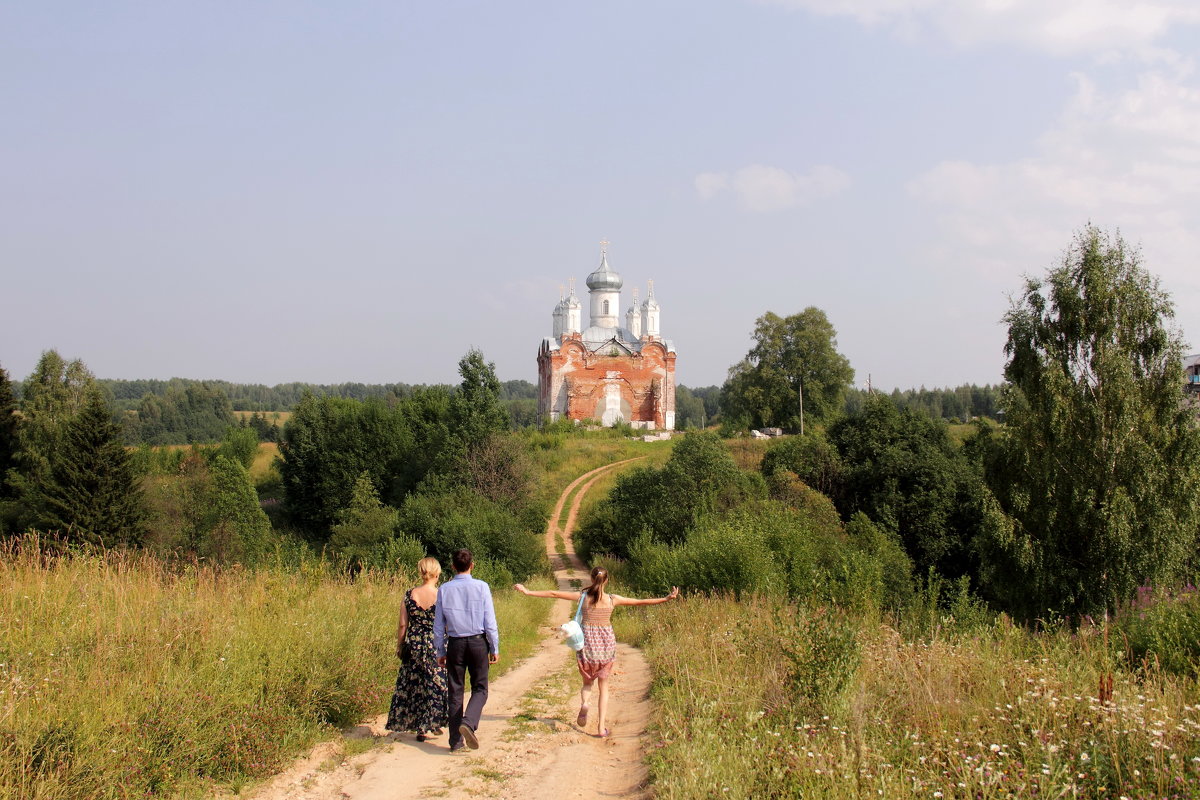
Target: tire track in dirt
[{"x": 529, "y": 744}]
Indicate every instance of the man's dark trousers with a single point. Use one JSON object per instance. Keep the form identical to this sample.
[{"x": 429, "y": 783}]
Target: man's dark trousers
[{"x": 468, "y": 654}]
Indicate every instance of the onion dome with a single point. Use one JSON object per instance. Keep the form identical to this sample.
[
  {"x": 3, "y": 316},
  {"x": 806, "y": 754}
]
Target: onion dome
[{"x": 604, "y": 279}]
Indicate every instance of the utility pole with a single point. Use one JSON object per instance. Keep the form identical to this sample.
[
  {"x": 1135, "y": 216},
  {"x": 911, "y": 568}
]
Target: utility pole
[{"x": 800, "y": 385}]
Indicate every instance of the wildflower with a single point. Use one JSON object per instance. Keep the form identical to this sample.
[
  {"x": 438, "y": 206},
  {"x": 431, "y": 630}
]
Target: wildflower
[
  {"x": 995, "y": 748},
  {"x": 1084, "y": 757}
]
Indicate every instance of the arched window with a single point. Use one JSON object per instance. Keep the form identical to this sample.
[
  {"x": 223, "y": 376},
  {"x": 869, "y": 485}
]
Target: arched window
[{"x": 606, "y": 308}]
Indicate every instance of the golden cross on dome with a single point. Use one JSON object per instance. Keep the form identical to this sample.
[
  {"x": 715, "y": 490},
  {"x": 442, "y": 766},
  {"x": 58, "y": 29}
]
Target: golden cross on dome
[
  {"x": 562, "y": 291},
  {"x": 604, "y": 247}
]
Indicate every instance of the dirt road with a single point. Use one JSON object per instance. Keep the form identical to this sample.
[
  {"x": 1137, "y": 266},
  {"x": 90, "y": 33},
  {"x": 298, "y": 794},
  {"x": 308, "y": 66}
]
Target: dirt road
[{"x": 529, "y": 746}]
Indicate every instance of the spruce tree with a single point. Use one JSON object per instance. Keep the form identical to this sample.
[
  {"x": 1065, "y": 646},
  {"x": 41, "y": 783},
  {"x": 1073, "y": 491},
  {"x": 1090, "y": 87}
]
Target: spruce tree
[
  {"x": 8, "y": 430},
  {"x": 9, "y": 420},
  {"x": 90, "y": 491}
]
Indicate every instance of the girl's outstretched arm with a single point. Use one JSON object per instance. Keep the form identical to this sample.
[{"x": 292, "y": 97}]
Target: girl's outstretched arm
[
  {"x": 649, "y": 601},
  {"x": 520, "y": 587}
]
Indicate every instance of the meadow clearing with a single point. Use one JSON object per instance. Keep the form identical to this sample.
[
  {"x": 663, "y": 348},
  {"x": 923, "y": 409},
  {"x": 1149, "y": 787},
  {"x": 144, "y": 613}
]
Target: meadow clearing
[
  {"x": 125, "y": 676},
  {"x": 762, "y": 698},
  {"x": 122, "y": 676}
]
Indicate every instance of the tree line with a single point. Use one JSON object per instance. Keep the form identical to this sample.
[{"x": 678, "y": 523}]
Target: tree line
[
  {"x": 186, "y": 411},
  {"x": 371, "y": 482},
  {"x": 700, "y": 407}
]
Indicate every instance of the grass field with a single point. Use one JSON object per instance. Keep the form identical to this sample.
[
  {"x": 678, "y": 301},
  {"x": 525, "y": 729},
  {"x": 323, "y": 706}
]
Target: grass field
[
  {"x": 561, "y": 458},
  {"x": 762, "y": 699},
  {"x": 264, "y": 460},
  {"x": 122, "y": 678}
]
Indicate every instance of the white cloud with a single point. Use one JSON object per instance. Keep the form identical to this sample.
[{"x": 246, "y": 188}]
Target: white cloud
[
  {"x": 761, "y": 188},
  {"x": 1127, "y": 159},
  {"x": 1055, "y": 26}
]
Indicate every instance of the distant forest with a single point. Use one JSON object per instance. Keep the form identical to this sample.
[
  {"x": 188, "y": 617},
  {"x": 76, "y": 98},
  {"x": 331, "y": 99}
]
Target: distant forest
[
  {"x": 186, "y": 411},
  {"x": 698, "y": 407}
]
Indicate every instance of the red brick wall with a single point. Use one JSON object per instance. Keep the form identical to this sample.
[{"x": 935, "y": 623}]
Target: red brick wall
[{"x": 643, "y": 379}]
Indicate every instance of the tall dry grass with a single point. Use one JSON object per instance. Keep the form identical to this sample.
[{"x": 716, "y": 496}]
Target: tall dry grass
[
  {"x": 122, "y": 677},
  {"x": 563, "y": 457},
  {"x": 995, "y": 711}
]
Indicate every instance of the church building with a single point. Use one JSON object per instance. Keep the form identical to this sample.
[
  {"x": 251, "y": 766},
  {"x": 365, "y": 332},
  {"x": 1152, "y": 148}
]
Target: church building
[{"x": 606, "y": 372}]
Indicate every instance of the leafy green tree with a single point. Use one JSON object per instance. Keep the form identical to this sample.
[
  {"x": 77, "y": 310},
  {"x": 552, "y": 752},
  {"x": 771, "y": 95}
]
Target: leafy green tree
[
  {"x": 812, "y": 458},
  {"x": 476, "y": 409},
  {"x": 900, "y": 468},
  {"x": 499, "y": 469},
  {"x": 329, "y": 442},
  {"x": 522, "y": 412},
  {"x": 89, "y": 491},
  {"x": 54, "y": 394},
  {"x": 446, "y": 517},
  {"x": 239, "y": 444},
  {"x": 689, "y": 410},
  {"x": 427, "y": 417},
  {"x": 1098, "y": 465},
  {"x": 365, "y": 527},
  {"x": 700, "y": 479},
  {"x": 238, "y": 530},
  {"x": 793, "y": 375},
  {"x": 187, "y": 412}
]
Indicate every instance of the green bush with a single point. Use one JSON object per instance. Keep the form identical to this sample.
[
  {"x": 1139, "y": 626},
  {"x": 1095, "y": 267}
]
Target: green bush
[
  {"x": 1162, "y": 631},
  {"x": 811, "y": 458},
  {"x": 822, "y": 654},
  {"x": 762, "y": 548},
  {"x": 239, "y": 444},
  {"x": 447, "y": 519},
  {"x": 236, "y": 528},
  {"x": 700, "y": 479},
  {"x": 884, "y": 548}
]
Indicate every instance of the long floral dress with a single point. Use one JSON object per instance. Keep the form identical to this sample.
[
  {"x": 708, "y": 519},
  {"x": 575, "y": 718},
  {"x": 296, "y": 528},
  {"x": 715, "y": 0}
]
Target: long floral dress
[{"x": 419, "y": 702}]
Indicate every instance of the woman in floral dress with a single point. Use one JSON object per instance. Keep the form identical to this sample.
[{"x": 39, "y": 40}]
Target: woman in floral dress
[
  {"x": 419, "y": 702},
  {"x": 599, "y": 653}
]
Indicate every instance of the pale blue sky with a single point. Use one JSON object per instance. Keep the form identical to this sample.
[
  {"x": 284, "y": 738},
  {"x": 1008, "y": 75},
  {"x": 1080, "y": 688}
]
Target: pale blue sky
[{"x": 268, "y": 192}]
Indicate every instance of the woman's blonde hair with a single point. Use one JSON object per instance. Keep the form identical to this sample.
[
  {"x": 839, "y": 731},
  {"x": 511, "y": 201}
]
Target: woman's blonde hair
[{"x": 429, "y": 568}]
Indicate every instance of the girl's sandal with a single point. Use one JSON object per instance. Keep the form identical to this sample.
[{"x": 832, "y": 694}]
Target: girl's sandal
[{"x": 581, "y": 720}]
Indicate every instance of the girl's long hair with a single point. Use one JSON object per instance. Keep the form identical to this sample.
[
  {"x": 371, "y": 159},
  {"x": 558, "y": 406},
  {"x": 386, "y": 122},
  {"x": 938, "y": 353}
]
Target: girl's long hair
[{"x": 599, "y": 578}]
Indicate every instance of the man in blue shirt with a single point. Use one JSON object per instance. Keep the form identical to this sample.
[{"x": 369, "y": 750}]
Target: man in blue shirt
[{"x": 466, "y": 640}]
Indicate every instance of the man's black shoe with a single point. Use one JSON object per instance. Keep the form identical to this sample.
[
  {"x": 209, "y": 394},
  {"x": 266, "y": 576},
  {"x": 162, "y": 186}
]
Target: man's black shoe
[
  {"x": 457, "y": 748},
  {"x": 469, "y": 736}
]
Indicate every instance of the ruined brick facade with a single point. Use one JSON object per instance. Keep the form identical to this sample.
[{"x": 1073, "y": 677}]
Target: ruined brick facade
[
  {"x": 605, "y": 372},
  {"x": 608, "y": 385}
]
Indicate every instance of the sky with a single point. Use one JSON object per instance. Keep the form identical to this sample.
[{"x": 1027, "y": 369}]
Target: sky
[{"x": 267, "y": 192}]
